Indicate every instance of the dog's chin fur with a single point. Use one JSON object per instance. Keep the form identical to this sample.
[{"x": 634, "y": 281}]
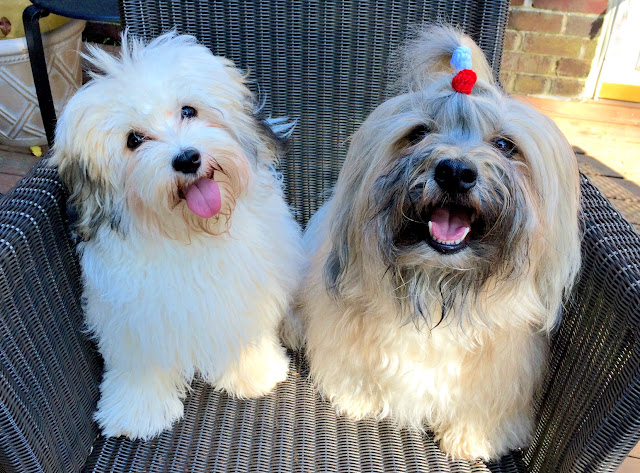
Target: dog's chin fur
[
  {"x": 450, "y": 341},
  {"x": 169, "y": 294}
]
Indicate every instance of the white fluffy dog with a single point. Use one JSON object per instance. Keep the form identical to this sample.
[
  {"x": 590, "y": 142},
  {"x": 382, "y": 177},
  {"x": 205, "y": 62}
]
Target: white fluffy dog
[
  {"x": 439, "y": 266},
  {"x": 189, "y": 253}
]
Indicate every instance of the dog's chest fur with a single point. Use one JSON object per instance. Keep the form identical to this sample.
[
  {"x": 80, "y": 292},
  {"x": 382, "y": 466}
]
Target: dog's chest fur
[{"x": 193, "y": 306}]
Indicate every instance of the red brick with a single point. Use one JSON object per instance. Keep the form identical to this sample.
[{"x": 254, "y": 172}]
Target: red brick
[
  {"x": 589, "y": 50},
  {"x": 509, "y": 61},
  {"x": 582, "y": 6},
  {"x": 542, "y": 22},
  {"x": 512, "y": 40},
  {"x": 506, "y": 79},
  {"x": 528, "y": 63},
  {"x": 552, "y": 45},
  {"x": 525, "y": 84},
  {"x": 573, "y": 67},
  {"x": 536, "y": 64},
  {"x": 567, "y": 87},
  {"x": 586, "y": 26}
]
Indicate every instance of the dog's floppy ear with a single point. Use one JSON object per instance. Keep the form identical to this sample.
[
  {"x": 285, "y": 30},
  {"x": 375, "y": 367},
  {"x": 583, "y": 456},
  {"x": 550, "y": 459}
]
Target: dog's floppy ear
[
  {"x": 274, "y": 133},
  {"x": 428, "y": 56},
  {"x": 553, "y": 166},
  {"x": 91, "y": 203},
  {"x": 337, "y": 262}
]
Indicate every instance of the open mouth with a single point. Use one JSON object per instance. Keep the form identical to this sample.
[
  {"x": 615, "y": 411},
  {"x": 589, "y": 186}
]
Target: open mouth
[
  {"x": 202, "y": 196},
  {"x": 447, "y": 228}
]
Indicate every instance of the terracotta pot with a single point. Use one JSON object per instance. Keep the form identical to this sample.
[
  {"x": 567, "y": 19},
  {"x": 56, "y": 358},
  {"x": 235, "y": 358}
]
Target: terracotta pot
[{"x": 20, "y": 120}]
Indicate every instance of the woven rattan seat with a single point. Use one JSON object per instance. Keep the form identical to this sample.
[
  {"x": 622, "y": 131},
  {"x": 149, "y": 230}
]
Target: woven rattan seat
[{"x": 323, "y": 63}]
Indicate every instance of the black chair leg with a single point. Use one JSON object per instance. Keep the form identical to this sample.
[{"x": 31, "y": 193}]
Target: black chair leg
[{"x": 30, "y": 18}]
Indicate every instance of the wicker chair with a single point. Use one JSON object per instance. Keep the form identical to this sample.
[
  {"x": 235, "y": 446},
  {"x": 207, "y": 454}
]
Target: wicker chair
[{"x": 323, "y": 63}]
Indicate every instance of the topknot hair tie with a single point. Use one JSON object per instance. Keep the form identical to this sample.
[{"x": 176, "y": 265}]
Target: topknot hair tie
[{"x": 465, "y": 78}]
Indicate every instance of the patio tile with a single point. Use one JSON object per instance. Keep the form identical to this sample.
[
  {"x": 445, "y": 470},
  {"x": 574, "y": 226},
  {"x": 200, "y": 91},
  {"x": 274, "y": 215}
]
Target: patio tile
[{"x": 7, "y": 181}]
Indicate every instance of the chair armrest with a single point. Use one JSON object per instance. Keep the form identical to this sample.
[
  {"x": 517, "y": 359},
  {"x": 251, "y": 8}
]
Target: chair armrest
[
  {"x": 589, "y": 413},
  {"x": 49, "y": 371}
]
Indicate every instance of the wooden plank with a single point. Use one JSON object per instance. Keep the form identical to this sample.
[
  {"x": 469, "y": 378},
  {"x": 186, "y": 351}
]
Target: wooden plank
[
  {"x": 629, "y": 210},
  {"x": 630, "y": 465},
  {"x": 606, "y": 112},
  {"x": 591, "y": 166},
  {"x": 578, "y": 127},
  {"x": 617, "y": 188},
  {"x": 635, "y": 452},
  {"x": 624, "y": 200},
  {"x": 607, "y": 131}
]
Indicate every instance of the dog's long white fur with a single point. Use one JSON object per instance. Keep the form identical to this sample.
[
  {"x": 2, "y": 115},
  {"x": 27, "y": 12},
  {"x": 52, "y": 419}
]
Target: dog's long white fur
[{"x": 168, "y": 294}]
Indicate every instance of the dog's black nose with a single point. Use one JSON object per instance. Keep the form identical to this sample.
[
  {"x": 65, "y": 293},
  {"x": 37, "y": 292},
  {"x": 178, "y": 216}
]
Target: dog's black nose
[
  {"x": 187, "y": 161},
  {"x": 455, "y": 176}
]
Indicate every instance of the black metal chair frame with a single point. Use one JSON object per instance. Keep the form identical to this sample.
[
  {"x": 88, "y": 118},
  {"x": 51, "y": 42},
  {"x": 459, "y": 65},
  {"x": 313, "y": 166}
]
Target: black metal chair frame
[{"x": 101, "y": 11}]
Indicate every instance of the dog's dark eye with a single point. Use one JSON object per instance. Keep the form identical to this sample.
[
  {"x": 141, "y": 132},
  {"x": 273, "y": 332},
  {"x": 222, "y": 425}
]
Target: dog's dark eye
[
  {"x": 416, "y": 135},
  {"x": 505, "y": 146},
  {"x": 188, "y": 112},
  {"x": 134, "y": 140}
]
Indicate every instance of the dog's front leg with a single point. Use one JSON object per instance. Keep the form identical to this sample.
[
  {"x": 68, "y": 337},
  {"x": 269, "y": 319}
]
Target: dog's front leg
[
  {"x": 490, "y": 409},
  {"x": 141, "y": 402},
  {"x": 258, "y": 369}
]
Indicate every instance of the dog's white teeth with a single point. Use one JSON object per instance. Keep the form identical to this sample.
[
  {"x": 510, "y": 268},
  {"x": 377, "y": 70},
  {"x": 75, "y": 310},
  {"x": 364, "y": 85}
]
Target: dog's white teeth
[
  {"x": 431, "y": 229},
  {"x": 450, "y": 242}
]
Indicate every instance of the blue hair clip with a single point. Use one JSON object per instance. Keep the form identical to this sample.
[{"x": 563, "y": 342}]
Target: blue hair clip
[{"x": 461, "y": 58}]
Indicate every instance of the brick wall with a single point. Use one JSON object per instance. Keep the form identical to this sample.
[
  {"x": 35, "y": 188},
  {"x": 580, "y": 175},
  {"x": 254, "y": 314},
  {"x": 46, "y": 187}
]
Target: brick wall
[{"x": 550, "y": 45}]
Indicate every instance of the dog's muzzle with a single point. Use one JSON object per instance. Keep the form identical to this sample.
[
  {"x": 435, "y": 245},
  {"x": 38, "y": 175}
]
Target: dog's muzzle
[
  {"x": 447, "y": 223},
  {"x": 202, "y": 195}
]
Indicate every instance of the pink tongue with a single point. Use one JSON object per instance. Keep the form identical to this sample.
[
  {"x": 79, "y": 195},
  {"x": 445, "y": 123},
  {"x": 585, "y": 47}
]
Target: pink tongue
[
  {"x": 203, "y": 197},
  {"x": 449, "y": 224}
]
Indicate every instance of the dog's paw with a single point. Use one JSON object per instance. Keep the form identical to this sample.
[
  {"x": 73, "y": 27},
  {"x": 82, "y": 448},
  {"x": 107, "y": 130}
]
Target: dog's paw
[
  {"x": 136, "y": 412},
  {"x": 486, "y": 439},
  {"x": 137, "y": 418},
  {"x": 467, "y": 446},
  {"x": 259, "y": 370},
  {"x": 474, "y": 443},
  {"x": 142, "y": 423}
]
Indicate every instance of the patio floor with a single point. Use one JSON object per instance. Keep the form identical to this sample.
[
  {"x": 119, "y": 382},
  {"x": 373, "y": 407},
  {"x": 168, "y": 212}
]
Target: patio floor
[
  {"x": 632, "y": 463},
  {"x": 606, "y": 138},
  {"x": 605, "y": 135}
]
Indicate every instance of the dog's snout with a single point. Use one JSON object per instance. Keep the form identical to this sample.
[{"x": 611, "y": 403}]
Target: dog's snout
[
  {"x": 187, "y": 161},
  {"x": 455, "y": 176}
]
